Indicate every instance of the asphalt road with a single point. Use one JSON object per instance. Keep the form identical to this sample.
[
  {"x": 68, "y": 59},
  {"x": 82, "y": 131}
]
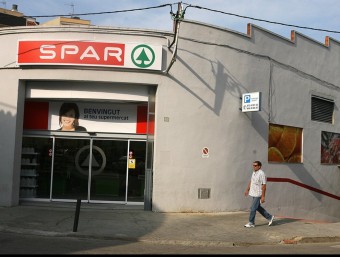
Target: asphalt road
[{"x": 15, "y": 243}]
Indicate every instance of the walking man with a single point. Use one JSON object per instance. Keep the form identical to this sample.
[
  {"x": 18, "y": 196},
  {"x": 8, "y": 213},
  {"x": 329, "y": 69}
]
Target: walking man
[{"x": 257, "y": 189}]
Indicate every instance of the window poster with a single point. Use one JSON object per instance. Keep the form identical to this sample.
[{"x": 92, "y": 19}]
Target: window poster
[
  {"x": 284, "y": 144},
  {"x": 103, "y": 117},
  {"x": 85, "y": 117},
  {"x": 330, "y": 146}
]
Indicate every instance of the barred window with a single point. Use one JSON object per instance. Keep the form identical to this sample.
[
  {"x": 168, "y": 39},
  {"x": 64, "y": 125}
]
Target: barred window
[{"x": 322, "y": 109}]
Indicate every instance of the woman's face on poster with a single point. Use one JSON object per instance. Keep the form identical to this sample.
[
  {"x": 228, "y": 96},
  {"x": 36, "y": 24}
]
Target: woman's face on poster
[{"x": 68, "y": 119}]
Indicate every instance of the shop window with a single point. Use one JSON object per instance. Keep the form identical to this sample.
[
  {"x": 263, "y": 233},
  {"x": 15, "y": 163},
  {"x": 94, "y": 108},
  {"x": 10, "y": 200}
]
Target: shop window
[
  {"x": 322, "y": 109},
  {"x": 284, "y": 144},
  {"x": 36, "y": 163},
  {"x": 330, "y": 146}
]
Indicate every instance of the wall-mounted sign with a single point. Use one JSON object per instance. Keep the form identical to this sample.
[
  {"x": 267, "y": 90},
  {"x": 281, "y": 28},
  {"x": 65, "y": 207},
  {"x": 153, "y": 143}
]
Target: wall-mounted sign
[
  {"x": 205, "y": 152},
  {"x": 90, "y": 53},
  {"x": 132, "y": 163},
  {"x": 251, "y": 102}
]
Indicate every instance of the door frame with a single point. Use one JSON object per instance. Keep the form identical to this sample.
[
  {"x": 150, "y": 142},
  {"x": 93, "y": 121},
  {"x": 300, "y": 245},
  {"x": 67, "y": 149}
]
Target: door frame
[{"x": 91, "y": 137}]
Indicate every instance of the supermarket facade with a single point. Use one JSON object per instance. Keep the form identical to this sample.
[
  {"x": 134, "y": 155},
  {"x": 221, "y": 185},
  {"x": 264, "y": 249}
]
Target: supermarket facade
[{"x": 171, "y": 121}]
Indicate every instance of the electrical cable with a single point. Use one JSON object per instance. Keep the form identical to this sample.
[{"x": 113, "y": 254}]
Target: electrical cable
[
  {"x": 188, "y": 5},
  {"x": 97, "y": 13},
  {"x": 256, "y": 19}
]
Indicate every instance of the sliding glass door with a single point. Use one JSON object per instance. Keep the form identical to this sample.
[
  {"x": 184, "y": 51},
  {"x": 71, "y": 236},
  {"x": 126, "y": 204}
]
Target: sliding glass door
[
  {"x": 71, "y": 168},
  {"x": 91, "y": 169}
]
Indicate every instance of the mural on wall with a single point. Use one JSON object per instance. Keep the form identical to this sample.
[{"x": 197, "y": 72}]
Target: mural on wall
[
  {"x": 284, "y": 144},
  {"x": 330, "y": 146}
]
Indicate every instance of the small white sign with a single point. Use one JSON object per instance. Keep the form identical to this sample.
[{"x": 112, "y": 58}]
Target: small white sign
[{"x": 251, "y": 102}]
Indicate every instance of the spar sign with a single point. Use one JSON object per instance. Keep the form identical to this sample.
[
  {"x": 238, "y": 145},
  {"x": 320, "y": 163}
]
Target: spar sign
[{"x": 90, "y": 53}]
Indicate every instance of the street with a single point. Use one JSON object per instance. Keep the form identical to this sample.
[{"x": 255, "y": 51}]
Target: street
[{"x": 14, "y": 243}]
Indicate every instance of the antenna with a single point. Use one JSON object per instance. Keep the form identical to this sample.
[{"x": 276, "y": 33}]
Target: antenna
[{"x": 72, "y": 6}]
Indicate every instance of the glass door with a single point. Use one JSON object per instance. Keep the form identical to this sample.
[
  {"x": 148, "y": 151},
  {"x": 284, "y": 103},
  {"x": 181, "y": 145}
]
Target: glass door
[
  {"x": 91, "y": 169},
  {"x": 122, "y": 178},
  {"x": 71, "y": 168},
  {"x": 108, "y": 182},
  {"x": 36, "y": 163},
  {"x": 99, "y": 170},
  {"x": 136, "y": 171}
]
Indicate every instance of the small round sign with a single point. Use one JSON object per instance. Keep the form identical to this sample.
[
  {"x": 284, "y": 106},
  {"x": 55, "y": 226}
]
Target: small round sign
[{"x": 205, "y": 152}]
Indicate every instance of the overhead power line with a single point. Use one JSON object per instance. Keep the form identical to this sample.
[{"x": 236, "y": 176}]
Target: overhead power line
[
  {"x": 256, "y": 19},
  {"x": 187, "y": 6},
  {"x": 98, "y": 13}
]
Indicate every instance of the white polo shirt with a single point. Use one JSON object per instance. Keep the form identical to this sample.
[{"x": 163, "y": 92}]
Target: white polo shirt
[{"x": 257, "y": 180}]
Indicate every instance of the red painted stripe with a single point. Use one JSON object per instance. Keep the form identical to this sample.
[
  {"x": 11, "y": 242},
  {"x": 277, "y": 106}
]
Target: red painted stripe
[{"x": 303, "y": 185}]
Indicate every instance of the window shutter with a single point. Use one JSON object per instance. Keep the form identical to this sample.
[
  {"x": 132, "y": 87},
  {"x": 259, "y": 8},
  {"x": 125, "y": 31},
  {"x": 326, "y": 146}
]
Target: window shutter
[{"x": 322, "y": 109}]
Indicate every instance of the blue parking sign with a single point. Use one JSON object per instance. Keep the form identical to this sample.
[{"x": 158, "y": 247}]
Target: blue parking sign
[
  {"x": 251, "y": 102},
  {"x": 247, "y": 98}
]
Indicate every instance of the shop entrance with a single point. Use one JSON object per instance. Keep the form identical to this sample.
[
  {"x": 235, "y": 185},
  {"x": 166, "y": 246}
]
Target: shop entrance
[{"x": 91, "y": 169}]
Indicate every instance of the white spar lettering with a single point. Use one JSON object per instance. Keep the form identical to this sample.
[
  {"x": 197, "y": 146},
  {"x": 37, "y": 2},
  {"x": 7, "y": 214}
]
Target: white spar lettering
[
  {"x": 68, "y": 49},
  {"x": 48, "y": 52},
  {"x": 117, "y": 54},
  {"x": 44, "y": 50},
  {"x": 87, "y": 54}
]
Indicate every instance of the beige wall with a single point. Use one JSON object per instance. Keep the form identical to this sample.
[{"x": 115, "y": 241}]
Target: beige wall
[{"x": 197, "y": 105}]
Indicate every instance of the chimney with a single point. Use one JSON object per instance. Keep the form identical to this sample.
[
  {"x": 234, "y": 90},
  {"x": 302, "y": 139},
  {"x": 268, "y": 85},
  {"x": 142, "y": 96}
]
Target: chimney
[{"x": 14, "y": 7}]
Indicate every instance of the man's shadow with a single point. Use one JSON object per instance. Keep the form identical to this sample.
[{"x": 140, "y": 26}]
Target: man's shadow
[{"x": 279, "y": 221}]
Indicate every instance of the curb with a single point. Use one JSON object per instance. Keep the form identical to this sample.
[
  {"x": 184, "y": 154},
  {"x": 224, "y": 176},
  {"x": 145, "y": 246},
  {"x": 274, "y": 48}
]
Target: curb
[
  {"x": 309, "y": 240},
  {"x": 130, "y": 239},
  {"x": 31, "y": 232},
  {"x": 188, "y": 242},
  {"x": 294, "y": 240}
]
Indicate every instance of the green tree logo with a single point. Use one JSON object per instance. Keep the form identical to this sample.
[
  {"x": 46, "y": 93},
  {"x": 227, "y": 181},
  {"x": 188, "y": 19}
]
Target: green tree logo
[{"x": 143, "y": 56}]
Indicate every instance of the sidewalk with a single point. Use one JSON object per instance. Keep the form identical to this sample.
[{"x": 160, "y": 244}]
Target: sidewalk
[{"x": 132, "y": 223}]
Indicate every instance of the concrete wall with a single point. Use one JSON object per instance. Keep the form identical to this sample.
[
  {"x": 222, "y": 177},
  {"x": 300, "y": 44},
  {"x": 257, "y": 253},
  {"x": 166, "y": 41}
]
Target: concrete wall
[
  {"x": 213, "y": 68},
  {"x": 13, "y": 83},
  {"x": 8, "y": 133},
  {"x": 197, "y": 105}
]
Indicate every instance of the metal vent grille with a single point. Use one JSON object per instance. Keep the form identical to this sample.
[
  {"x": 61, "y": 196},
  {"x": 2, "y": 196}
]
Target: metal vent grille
[
  {"x": 203, "y": 193},
  {"x": 322, "y": 109}
]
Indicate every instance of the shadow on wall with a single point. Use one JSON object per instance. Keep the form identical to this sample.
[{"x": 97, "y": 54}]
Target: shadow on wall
[
  {"x": 7, "y": 124},
  {"x": 7, "y": 128},
  {"x": 224, "y": 82}
]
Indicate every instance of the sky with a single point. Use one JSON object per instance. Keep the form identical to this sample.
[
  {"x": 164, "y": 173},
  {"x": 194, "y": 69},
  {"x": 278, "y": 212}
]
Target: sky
[{"x": 316, "y": 14}]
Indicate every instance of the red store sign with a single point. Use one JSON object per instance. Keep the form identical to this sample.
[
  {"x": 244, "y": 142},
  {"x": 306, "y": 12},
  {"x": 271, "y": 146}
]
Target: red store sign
[{"x": 90, "y": 53}]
